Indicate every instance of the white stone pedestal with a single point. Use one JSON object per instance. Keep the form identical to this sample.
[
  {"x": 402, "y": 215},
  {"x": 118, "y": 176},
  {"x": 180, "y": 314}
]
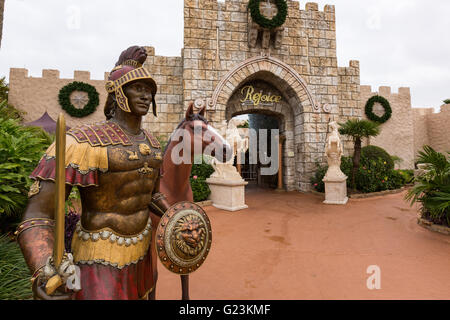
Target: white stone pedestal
[
  {"x": 336, "y": 191},
  {"x": 227, "y": 194}
]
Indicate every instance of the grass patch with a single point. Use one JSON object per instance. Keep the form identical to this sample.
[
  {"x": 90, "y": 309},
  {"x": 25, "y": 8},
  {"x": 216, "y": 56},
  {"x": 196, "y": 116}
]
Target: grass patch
[{"x": 14, "y": 274}]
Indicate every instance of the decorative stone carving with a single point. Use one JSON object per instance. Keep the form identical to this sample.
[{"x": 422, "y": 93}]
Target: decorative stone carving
[
  {"x": 201, "y": 102},
  {"x": 335, "y": 180},
  {"x": 269, "y": 10},
  {"x": 253, "y": 36},
  {"x": 79, "y": 99}
]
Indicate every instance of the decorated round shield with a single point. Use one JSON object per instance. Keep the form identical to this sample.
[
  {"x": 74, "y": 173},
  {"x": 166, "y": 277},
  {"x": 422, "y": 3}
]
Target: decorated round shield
[{"x": 183, "y": 237}]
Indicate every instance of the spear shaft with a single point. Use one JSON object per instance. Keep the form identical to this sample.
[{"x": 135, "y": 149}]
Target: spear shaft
[
  {"x": 60, "y": 196},
  {"x": 60, "y": 179}
]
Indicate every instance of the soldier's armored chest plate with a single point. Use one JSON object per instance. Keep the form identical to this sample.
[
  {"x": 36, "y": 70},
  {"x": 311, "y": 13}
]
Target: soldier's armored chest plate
[{"x": 141, "y": 156}]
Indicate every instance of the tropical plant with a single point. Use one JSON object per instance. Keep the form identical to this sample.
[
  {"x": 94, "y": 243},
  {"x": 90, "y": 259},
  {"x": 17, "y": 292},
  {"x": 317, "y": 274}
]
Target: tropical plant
[
  {"x": 432, "y": 189},
  {"x": 4, "y": 89},
  {"x": 7, "y": 110},
  {"x": 20, "y": 150},
  {"x": 14, "y": 274},
  {"x": 408, "y": 176},
  {"x": 358, "y": 129}
]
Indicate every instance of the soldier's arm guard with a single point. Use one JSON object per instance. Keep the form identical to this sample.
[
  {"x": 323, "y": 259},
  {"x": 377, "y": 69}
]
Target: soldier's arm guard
[
  {"x": 159, "y": 204},
  {"x": 35, "y": 234}
]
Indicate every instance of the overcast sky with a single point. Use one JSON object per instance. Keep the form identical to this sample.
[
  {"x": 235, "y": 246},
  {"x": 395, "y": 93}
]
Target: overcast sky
[{"x": 398, "y": 43}]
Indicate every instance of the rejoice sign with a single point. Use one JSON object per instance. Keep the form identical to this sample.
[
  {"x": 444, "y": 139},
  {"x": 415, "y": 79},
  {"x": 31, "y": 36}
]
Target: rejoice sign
[{"x": 252, "y": 98}]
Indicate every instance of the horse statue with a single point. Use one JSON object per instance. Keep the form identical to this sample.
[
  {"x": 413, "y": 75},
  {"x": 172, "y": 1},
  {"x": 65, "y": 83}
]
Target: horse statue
[{"x": 175, "y": 183}]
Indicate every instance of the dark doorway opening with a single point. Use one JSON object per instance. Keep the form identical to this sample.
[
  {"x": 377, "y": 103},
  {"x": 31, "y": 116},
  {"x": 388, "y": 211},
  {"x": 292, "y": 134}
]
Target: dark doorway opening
[{"x": 252, "y": 172}]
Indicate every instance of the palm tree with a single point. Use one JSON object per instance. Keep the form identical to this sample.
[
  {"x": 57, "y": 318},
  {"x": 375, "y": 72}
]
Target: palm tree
[{"x": 358, "y": 129}]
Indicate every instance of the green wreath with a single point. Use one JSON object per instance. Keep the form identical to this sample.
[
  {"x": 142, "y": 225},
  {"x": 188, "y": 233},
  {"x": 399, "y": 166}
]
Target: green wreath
[
  {"x": 387, "y": 109},
  {"x": 66, "y": 104},
  {"x": 273, "y": 23}
]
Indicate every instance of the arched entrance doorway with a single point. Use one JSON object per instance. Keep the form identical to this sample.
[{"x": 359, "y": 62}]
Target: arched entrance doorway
[
  {"x": 269, "y": 111},
  {"x": 296, "y": 102}
]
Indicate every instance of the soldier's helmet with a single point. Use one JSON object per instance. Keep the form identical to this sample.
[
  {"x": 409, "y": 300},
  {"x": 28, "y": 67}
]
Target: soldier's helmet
[{"x": 129, "y": 68}]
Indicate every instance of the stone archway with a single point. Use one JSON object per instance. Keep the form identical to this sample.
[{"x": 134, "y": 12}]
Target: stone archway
[
  {"x": 290, "y": 80},
  {"x": 300, "y": 102}
]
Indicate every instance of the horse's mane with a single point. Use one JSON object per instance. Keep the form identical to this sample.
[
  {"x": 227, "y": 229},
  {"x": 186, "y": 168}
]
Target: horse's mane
[{"x": 192, "y": 117}]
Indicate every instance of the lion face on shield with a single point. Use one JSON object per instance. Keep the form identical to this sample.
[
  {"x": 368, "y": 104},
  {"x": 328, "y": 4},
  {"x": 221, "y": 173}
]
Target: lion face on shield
[{"x": 190, "y": 233}]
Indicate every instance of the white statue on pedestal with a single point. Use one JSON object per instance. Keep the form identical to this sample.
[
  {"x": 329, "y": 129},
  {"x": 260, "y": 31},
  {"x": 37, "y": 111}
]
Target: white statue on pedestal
[
  {"x": 334, "y": 150},
  {"x": 335, "y": 180},
  {"x": 226, "y": 184},
  {"x": 227, "y": 170}
]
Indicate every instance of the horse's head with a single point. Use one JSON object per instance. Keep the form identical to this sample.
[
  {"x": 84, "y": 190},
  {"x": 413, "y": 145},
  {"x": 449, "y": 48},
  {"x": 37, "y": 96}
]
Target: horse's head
[{"x": 201, "y": 136}]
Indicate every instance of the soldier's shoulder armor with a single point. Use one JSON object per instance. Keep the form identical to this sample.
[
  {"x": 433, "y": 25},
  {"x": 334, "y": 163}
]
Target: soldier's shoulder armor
[
  {"x": 153, "y": 141},
  {"x": 100, "y": 134}
]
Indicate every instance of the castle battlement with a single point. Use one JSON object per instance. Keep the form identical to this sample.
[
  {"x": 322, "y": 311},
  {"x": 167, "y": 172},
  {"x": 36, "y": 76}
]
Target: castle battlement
[
  {"x": 53, "y": 74},
  {"x": 241, "y": 6},
  {"x": 386, "y": 91},
  {"x": 314, "y": 6}
]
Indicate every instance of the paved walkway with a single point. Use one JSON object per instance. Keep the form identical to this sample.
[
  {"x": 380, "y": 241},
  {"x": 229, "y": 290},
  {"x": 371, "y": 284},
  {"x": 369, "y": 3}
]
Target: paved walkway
[{"x": 290, "y": 246}]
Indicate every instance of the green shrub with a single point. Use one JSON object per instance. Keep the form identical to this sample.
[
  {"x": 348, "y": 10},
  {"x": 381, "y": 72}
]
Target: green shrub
[
  {"x": 407, "y": 175},
  {"x": 376, "y": 175},
  {"x": 14, "y": 274},
  {"x": 447, "y": 101},
  {"x": 200, "y": 189},
  {"x": 397, "y": 160},
  {"x": 317, "y": 178},
  {"x": 199, "y": 173},
  {"x": 373, "y": 153},
  {"x": 202, "y": 170},
  {"x": 20, "y": 151}
]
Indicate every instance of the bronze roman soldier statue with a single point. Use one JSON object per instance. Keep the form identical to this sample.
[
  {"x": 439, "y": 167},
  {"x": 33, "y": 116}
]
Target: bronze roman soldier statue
[{"x": 115, "y": 164}]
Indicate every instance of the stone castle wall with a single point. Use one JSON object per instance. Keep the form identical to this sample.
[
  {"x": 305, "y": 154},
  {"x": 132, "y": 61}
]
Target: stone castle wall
[
  {"x": 439, "y": 129},
  {"x": 432, "y": 129},
  {"x": 168, "y": 74},
  {"x": 349, "y": 99},
  {"x": 421, "y": 136},
  {"x": 218, "y": 61},
  {"x": 397, "y": 134},
  {"x": 216, "y": 41},
  {"x": 35, "y": 96}
]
